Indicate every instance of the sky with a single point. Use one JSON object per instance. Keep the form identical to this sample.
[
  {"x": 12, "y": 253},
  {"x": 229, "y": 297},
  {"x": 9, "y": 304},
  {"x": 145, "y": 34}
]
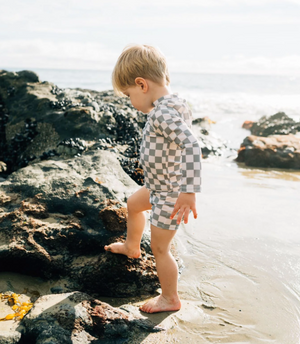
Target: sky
[{"x": 205, "y": 36}]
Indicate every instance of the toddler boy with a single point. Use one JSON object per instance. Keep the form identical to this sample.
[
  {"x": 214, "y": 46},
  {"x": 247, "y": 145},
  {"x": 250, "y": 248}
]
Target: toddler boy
[{"x": 170, "y": 157}]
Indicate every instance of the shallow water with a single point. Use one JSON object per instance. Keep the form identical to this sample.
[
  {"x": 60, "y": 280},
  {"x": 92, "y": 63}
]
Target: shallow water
[{"x": 242, "y": 255}]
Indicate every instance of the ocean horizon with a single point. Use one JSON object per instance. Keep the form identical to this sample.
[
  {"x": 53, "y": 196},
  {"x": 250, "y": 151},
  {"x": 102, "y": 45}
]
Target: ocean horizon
[
  {"x": 228, "y": 99},
  {"x": 100, "y": 80}
]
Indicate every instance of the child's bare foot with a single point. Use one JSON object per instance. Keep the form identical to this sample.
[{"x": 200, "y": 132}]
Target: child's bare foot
[
  {"x": 121, "y": 248},
  {"x": 160, "y": 304}
]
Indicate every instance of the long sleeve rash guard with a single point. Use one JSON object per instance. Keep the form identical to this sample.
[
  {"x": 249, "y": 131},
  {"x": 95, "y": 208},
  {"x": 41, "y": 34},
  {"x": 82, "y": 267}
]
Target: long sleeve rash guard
[{"x": 170, "y": 153}]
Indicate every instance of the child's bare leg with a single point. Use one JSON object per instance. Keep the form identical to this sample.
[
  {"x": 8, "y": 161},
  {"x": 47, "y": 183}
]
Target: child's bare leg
[
  {"x": 167, "y": 271},
  {"x": 136, "y": 205}
]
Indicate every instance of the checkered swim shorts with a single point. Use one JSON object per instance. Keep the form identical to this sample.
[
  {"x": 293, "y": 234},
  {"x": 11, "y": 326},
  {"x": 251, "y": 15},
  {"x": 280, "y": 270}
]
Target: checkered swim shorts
[{"x": 162, "y": 208}]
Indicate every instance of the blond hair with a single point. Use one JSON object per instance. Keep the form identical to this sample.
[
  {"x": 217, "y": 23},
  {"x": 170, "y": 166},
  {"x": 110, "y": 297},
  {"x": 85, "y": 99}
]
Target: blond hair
[{"x": 142, "y": 61}]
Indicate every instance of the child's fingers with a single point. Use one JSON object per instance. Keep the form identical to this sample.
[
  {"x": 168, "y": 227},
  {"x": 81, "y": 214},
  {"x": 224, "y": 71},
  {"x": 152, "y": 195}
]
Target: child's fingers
[
  {"x": 179, "y": 216},
  {"x": 186, "y": 215},
  {"x": 183, "y": 213},
  {"x": 194, "y": 210},
  {"x": 175, "y": 210}
]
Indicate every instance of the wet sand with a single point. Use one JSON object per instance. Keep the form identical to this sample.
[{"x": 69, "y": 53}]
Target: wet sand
[{"x": 241, "y": 282}]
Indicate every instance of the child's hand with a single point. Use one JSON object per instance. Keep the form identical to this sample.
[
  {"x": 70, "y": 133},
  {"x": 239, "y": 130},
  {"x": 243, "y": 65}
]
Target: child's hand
[{"x": 185, "y": 202}]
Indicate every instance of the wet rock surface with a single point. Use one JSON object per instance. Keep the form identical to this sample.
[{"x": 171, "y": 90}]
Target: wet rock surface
[
  {"x": 278, "y": 124},
  {"x": 280, "y": 151},
  {"x": 56, "y": 216},
  {"x": 38, "y": 121},
  {"x": 211, "y": 144},
  {"x": 275, "y": 143}
]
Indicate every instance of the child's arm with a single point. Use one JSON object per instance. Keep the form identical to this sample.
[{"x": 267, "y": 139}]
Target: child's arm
[{"x": 185, "y": 202}]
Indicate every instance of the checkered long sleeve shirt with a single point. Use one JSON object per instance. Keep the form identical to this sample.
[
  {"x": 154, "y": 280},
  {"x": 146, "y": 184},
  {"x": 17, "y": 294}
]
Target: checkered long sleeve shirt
[{"x": 170, "y": 153}]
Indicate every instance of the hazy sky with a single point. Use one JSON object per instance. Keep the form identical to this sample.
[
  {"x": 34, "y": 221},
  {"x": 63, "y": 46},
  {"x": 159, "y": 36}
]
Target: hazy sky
[{"x": 228, "y": 36}]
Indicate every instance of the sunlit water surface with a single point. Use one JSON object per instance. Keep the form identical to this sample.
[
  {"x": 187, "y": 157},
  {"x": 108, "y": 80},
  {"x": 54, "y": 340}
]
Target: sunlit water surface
[{"x": 242, "y": 254}]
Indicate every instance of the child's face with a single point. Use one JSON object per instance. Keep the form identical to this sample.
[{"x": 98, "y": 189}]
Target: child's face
[{"x": 140, "y": 100}]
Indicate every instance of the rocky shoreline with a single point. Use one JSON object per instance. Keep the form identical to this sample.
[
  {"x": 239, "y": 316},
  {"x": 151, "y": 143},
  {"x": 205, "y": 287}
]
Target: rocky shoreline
[
  {"x": 68, "y": 163},
  {"x": 274, "y": 143},
  {"x": 63, "y": 196}
]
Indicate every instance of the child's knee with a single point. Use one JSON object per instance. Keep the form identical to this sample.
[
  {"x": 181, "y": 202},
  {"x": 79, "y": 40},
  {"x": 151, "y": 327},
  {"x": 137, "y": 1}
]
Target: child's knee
[
  {"x": 158, "y": 249},
  {"x": 131, "y": 204},
  {"x": 139, "y": 201}
]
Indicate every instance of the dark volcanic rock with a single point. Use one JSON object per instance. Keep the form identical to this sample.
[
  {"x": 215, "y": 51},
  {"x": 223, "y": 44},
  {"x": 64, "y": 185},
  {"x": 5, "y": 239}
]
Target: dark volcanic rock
[
  {"x": 39, "y": 120},
  {"x": 71, "y": 113},
  {"x": 281, "y": 151},
  {"x": 74, "y": 184},
  {"x": 272, "y": 143},
  {"x": 63, "y": 197},
  {"x": 211, "y": 144},
  {"x": 56, "y": 216},
  {"x": 278, "y": 124},
  {"x": 115, "y": 219}
]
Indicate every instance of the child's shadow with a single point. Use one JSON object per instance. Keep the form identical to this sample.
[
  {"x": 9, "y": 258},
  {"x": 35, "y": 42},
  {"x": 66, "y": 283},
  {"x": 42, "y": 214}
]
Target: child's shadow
[
  {"x": 53, "y": 316},
  {"x": 63, "y": 318}
]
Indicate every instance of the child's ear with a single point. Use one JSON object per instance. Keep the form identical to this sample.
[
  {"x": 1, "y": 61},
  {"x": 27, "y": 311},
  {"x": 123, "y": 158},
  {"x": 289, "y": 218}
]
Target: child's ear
[{"x": 142, "y": 84}]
